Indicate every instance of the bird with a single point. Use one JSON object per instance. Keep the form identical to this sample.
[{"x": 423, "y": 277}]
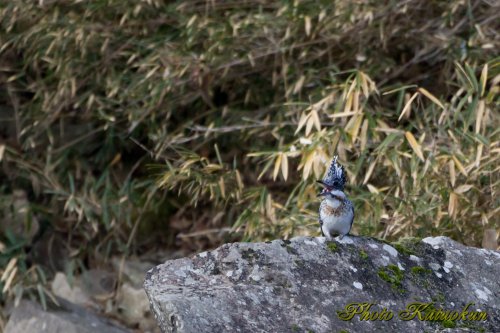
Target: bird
[{"x": 336, "y": 211}]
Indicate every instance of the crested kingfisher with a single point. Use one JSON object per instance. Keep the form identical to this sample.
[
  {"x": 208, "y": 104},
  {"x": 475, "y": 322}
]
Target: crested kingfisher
[{"x": 336, "y": 212}]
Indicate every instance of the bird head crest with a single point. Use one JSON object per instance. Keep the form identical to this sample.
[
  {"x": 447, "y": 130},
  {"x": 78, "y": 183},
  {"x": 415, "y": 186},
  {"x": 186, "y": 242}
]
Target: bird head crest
[{"x": 335, "y": 178}]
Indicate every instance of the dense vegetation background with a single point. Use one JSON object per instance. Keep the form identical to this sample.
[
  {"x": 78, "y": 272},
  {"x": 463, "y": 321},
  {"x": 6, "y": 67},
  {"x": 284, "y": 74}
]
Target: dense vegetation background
[{"x": 127, "y": 126}]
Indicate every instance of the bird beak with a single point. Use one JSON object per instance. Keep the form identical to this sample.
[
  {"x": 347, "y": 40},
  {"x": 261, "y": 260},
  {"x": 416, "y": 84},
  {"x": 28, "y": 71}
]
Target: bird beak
[
  {"x": 325, "y": 189},
  {"x": 321, "y": 183}
]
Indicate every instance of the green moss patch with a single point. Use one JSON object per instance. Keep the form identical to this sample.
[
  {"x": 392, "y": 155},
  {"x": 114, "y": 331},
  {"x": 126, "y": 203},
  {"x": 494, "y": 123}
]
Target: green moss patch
[
  {"x": 332, "y": 246},
  {"x": 408, "y": 246},
  {"x": 419, "y": 270},
  {"x": 393, "y": 275}
]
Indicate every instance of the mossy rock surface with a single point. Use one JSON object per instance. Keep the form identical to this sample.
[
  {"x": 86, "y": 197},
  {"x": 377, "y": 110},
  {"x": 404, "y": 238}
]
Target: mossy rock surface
[{"x": 306, "y": 283}]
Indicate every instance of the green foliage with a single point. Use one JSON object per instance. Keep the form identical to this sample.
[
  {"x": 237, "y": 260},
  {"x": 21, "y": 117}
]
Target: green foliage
[{"x": 135, "y": 124}]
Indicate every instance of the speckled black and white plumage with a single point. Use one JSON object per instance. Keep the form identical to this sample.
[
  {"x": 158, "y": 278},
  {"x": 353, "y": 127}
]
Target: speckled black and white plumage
[
  {"x": 335, "y": 177},
  {"x": 336, "y": 215},
  {"x": 336, "y": 212}
]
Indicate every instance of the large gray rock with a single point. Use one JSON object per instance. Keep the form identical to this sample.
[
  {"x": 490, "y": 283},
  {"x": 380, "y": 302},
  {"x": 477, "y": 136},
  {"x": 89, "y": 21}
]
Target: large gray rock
[{"x": 305, "y": 285}]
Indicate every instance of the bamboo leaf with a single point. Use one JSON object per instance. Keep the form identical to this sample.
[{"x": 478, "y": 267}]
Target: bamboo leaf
[
  {"x": 462, "y": 189},
  {"x": 364, "y": 135},
  {"x": 463, "y": 75},
  {"x": 479, "y": 115},
  {"x": 302, "y": 121},
  {"x": 369, "y": 172},
  {"x": 414, "y": 145},
  {"x": 309, "y": 125},
  {"x": 372, "y": 189},
  {"x": 9, "y": 280},
  {"x": 308, "y": 165},
  {"x": 277, "y": 164},
  {"x": 451, "y": 170},
  {"x": 472, "y": 77},
  {"x": 284, "y": 166},
  {"x": 430, "y": 96},
  {"x": 483, "y": 79},
  {"x": 317, "y": 124},
  {"x": 10, "y": 266},
  {"x": 364, "y": 84},
  {"x": 452, "y": 205},
  {"x": 407, "y": 106},
  {"x": 307, "y": 23},
  {"x": 399, "y": 89},
  {"x": 222, "y": 187},
  {"x": 299, "y": 84},
  {"x": 459, "y": 166},
  {"x": 239, "y": 180}
]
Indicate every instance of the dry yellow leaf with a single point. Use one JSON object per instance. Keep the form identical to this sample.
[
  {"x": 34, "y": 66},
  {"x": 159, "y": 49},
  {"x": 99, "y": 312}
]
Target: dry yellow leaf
[
  {"x": 453, "y": 176},
  {"x": 462, "y": 189},
  {"x": 364, "y": 84},
  {"x": 479, "y": 115},
  {"x": 355, "y": 101},
  {"x": 12, "y": 263},
  {"x": 342, "y": 114},
  {"x": 430, "y": 96},
  {"x": 483, "y": 79},
  {"x": 315, "y": 117},
  {"x": 307, "y": 22},
  {"x": 269, "y": 205},
  {"x": 284, "y": 166},
  {"x": 191, "y": 20},
  {"x": 414, "y": 145},
  {"x": 348, "y": 103},
  {"x": 407, "y": 106},
  {"x": 452, "y": 205},
  {"x": 351, "y": 88},
  {"x": 309, "y": 125},
  {"x": 369, "y": 172},
  {"x": 479, "y": 153},
  {"x": 364, "y": 135},
  {"x": 382, "y": 124},
  {"x": 116, "y": 159},
  {"x": 9, "y": 280},
  {"x": 372, "y": 189},
  {"x": 354, "y": 129},
  {"x": 238, "y": 180},
  {"x": 302, "y": 121},
  {"x": 299, "y": 84},
  {"x": 459, "y": 166},
  {"x": 222, "y": 187},
  {"x": 277, "y": 164},
  {"x": 308, "y": 165}
]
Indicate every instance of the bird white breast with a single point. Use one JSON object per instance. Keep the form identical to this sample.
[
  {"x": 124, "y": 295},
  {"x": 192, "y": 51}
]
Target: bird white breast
[{"x": 337, "y": 224}]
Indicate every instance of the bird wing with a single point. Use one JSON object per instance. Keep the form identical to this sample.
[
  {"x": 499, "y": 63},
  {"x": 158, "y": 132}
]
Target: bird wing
[
  {"x": 352, "y": 220},
  {"x": 319, "y": 218}
]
